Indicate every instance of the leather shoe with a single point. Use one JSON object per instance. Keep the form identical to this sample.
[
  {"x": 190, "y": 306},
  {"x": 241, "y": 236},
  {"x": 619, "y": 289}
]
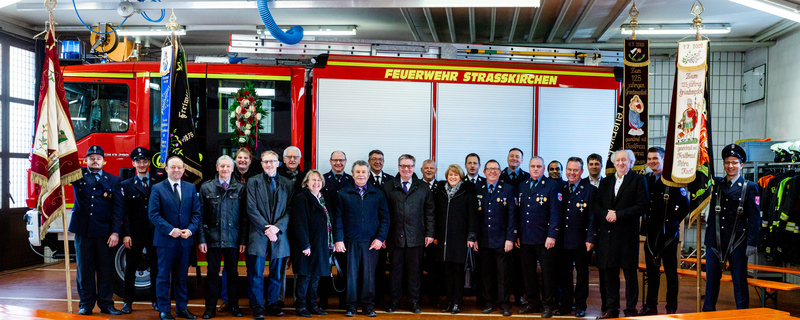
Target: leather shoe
[
  {"x": 127, "y": 308},
  {"x": 560, "y": 312},
  {"x": 224, "y": 307},
  {"x": 672, "y": 311},
  {"x": 85, "y": 312},
  {"x": 416, "y": 308},
  {"x": 165, "y": 316},
  {"x": 258, "y": 313},
  {"x": 391, "y": 308},
  {"x": 456, "y": 309},
  {"x": 529, "y": 309},
  {"x": 488, "y": 308},
  {"x": 580, "y": 313},
  {"x": 111, "y": 310},
  {"x": 155, "y": 306},
  {"x": 317, "y": 310},
  {"x": 209, "y": 313},
  {"x": 275, "y": 311},
  {"x": 303, "y": 312},
  {"x": 448, "y": 308},
  {"x": 609, "y": 315},
  {"x": 507, "y": 311},
  {"x": 351, "y": 312},
  {"x": 647, "y": 311},
  {"x": 235, "y": 311},
  {"x": 547, "y": 313},
  {"x": 186, "y": 314},
  {"x": 370, "y": 312}
]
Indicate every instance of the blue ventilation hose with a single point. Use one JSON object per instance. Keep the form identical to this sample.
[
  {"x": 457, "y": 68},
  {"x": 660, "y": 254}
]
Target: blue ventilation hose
[{"x": 293, "y": 36}]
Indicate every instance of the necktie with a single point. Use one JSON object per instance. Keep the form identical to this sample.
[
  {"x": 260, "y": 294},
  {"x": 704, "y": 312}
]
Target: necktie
[
  {"x": 272, "y": 183},
  {"x": 144, "y": 182},
  {"x": 513, "y": 176},
  {"x": 405, "y": 186},
  {"x": 225, "y": 185},
  {"x": 176, "y": 194},
  {"x": 491, "y": 188},
  {"x": 571, "y": 188},
  {"x": 361, "y": 190},
  {"x": 338, "y": 177}
]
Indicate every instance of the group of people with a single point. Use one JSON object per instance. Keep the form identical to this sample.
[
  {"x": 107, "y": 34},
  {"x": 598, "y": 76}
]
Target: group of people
[{"x": 505, "y": 225}]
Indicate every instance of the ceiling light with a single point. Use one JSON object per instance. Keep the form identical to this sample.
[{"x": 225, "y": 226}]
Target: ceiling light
[
  {"x": 317, "y": 30},
  {"x": 677, "y": 29},
  {"x": 772, "y": 8},
  {"x": 146, "y": 31}
]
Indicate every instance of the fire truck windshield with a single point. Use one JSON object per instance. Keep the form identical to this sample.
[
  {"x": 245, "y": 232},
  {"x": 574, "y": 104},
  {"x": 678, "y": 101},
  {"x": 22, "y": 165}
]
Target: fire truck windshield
[{"x": 97, "y": 107}]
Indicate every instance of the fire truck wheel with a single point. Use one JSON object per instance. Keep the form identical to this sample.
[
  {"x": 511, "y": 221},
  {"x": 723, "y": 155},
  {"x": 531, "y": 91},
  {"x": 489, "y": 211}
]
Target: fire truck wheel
[{"x": 142, "y": 274}]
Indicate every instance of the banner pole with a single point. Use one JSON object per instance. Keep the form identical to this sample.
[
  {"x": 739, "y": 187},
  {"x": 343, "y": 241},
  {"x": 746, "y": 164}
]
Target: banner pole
[
  {"x": 66, "y": 251},
  {"x": 699, "y": 265}
]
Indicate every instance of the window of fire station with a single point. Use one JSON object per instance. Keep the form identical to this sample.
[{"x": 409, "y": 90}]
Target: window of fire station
[{"x": 97, "y": 107}]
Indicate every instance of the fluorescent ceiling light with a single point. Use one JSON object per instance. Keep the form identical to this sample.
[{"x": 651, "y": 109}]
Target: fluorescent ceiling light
[
  {"x": 145, "y": 31},
  {"x": 5, "y": 3},
  {"x": 260, "y": 92},
  {"x": 772, "y": 8},
  {"x": 317, "y": 30},
  {"x": 676, "y": 29}
]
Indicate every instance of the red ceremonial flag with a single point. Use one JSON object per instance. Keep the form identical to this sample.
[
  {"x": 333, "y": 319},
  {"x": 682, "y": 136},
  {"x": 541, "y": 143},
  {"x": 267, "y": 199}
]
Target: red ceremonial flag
[{"x": 54, "y": 158}]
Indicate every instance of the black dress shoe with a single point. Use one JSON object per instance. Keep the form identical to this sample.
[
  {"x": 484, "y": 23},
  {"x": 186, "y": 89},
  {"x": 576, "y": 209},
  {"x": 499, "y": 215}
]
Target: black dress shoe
[
  {"x": 209, "y": 313},
  {"x": 580, "y": 313},
  {"x": 630, "y": 313},
  {"x": 456, "y": 309},
  {"x": 547, "y": 313},
  {"x": 258, "y": 313},
  {"x": 155, "y": 306},
  {"x": 85, "y": 312},
  {"x": 391, "y": 308},
  {"x": 559, "y": 312},
  {"x": 672, "y": 311},
  {"x": 647, "y": 311},
  {"x": 186, "y": 314},
  {"x": 448, "y": 308},
  {"x": 370, "y": 312},
  {"x": 224, "y": 307},
  {"x": 317, "y": 310},
  {"x": 416, "y": 308},
  {"x": 111, "y": 310},
  {"x": 165, "y": 316},
  {"x": 235, "y": 311},
  {"x": 528, "y": 309},
  {"x": 303, "y": 312},
  {"x": 609, "y": 315},
  {"x": 488, "y": 308},
  {"x": 506, "y": 311},
  {"x": 275, "y": 311},
  {"x": 351, "y": 312},
  {"x": 127, "y": 308}
]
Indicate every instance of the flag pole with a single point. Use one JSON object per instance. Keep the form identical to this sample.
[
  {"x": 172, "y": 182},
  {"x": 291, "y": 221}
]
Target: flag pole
[
  {"x": 697, "y": 9},
  {"x": 66, "y": 252}
]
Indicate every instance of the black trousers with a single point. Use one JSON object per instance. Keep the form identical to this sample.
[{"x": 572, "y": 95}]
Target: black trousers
[
  {"x": 94, "y": 258},
  {"x": 612, "y": 289},
  {"x": 409, "y": 259},
  {"x": 433, "y": 284},
  {"x": 517, "y": 287},
  {"x": 454, "y": 281},
  {"x": 133, "y": 261},
  {"x": 495, "y": 273},
  {"x": 325, "y": 287},
  {"x": 669, "y": 260},
  {"x": 579, "y": 260},
  {"x": 381, "y": 281},
  {"x": 306, "y": 291},
  {"x": 214, "y": 256},
  {"x": 360, "y": 261},
  {"x": 531, "y": 253}
]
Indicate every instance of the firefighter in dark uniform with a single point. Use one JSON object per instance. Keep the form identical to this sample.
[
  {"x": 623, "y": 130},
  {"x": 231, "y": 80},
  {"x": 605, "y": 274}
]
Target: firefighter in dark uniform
[
  {"x": 513, "y": 175},
  {"x": 539, "y": 216},
  {"x": 137, "y": 230},
  {"x": 576, "y": 240},
  {"x": 731, "y": 229},
  {"x": 96, "y": 222},
  {"x": 335, "y": 179},
  {"x": 377, "y": 177},
  {"x": 661, "y": 227},
  {"x": 496, "y": 236}
]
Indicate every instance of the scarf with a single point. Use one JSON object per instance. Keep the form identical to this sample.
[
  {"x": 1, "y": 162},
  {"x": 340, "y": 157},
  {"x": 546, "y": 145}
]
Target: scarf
[
  {"x": 451, "y": 190},
  {"x": 327, "y": 221}
]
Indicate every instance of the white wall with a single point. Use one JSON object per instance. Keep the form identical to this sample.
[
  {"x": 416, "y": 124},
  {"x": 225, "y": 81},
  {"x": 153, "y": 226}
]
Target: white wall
[
  {"x": 783, "y": 91},
  {"x": 755, "y": 113}
]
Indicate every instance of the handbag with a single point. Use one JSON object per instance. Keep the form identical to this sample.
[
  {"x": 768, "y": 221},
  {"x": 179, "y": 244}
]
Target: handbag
[{"x": 469, "y": 268}]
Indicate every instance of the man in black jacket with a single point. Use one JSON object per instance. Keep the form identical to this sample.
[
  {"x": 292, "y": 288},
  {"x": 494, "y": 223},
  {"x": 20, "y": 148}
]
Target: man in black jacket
[
  {"x": 223, "y": 233},
  {"x": 290, "y": 169},
  {"x": 411, "y": 229},
  {"x": 361, "y": 222}
]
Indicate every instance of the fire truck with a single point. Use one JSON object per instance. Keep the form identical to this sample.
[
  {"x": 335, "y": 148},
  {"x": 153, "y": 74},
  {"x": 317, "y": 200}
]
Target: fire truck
[{"x": 443, "y": 108}]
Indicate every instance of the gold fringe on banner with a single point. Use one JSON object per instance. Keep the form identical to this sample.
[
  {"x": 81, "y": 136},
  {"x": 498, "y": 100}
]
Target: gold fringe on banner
[
  {"x": 693, "y": 68},
  {"x": 637, "y": 64}
]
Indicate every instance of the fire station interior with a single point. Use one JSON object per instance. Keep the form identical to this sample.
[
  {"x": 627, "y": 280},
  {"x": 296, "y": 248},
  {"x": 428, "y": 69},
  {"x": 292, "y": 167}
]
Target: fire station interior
[{"x": 348, "y": 84}]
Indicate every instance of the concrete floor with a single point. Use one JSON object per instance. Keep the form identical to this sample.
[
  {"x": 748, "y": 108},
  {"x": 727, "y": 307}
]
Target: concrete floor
[{"x": 43, "y": 287}]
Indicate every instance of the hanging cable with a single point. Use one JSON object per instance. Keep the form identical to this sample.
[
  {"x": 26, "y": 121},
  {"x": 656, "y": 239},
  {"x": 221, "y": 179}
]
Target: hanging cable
[
  {"x": 163, "y": 12},
  {"x": 90, "y": 29},
  {"x": 293, "y": 36}
]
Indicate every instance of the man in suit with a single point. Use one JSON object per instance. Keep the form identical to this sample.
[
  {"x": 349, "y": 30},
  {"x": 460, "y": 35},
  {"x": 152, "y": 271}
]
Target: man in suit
[
  {"x": 410, "y": 204},
  {"x": 137, "y": 230},
  {"x": 539, "y": 226},
  {"x": 472, "y": 163},
  {"x": 360, "y": 226},
  {"x": 594, "y": 163},
  {"x": 429, "y": 173},
  {"x": 496, "y": 237},
  {"x": 661, "y": 226},
  {"x": 731, "y": 234},
  {"x": 335, "y": 180},
  {"x": 576, "y": 240},
  {"x": 290, "y": 169},
  {"x": 513, "y": 175},
  {"x": 432, "y": 270},
  {"x": 377, "y": 177},
  {"x": 267, "y": 203},
  {"x": 620, "y": 201},
  {"x": 175, "y": 213},
  {"x": 243, "y": 172},
  {"x": 96, "y": 222}
]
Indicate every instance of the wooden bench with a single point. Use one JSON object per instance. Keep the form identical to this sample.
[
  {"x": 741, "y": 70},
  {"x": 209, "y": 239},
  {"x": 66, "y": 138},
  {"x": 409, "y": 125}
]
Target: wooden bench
[
  {"x": 758, "y": 267},
  {"x": 749, "y": 314},
  {"x": 20, "y": 313},
  {"x": 768, "y": 290}
]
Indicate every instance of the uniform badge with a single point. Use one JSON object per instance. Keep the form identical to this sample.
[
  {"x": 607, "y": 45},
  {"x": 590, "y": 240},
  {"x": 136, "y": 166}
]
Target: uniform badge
[
  {"x": 559, "y": 196},
  {"x": 122, "y": 190},
  {"x": 758, "y": 200},
  {"x": 105, "y": 195},
  {"x": 538, "y": 199},
  {"x": 498, "y": 199},
  {"x": 480, "y": 196},
  {"x": 544, "y": 199},
  {"x": 578, "y": 205},
  {"x": 683, "y": 192}
]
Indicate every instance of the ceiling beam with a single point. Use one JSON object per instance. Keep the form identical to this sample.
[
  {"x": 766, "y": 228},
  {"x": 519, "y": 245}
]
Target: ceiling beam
[
  {"x": 513, "y": 25},
  {"x": 535, "y": 21},
  {"x": 450, "y": 24},
  {"x": 775, "y": 30},
  {"x": 600, "y": 32},
  {"x": 559, "y": 19},
  {"x": 294, "y": 4},
  {"x": 471, "y": 25},
  {"x": 494, "y": 22},
  {"x": 427, "y": 12},
  {"x": 410, "y": 23},
  {"x": 584, "y": 13}
]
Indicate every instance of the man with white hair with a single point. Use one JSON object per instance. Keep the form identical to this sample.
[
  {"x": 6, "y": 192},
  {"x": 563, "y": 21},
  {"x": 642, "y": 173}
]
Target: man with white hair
[
  {"x": 290, "y": 169},
  {"x": 620, "y": 201}
]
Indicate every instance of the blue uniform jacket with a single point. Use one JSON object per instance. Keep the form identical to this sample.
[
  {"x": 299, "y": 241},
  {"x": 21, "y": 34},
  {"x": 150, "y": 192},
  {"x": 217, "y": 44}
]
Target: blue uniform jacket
[
  {"x": 523, "y": 176},
  {"x": 578, "y": 216},
  {"x": 98, "y": 205},
  {"x": 497, "y": 216},
  {"x": 360, "y": 219},
  {"x": 136, "y": 221},
  {"x": 539, "y": 211},
  {"x": 166, "y": 215},
  {"x": 750, "y": 220}
]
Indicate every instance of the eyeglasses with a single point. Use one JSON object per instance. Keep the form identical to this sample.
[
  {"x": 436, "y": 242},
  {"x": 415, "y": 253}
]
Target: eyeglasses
[
  {"x": 492, "y": 169},
  {"x": 268, "y": 161},
  {"x": 339, "y": 160},
  {"x": 731, "y": 163},
  {"x": 292, "y": 157},
  {"x": 406, "y": 166},
  {"x": 376, "y": 159}
]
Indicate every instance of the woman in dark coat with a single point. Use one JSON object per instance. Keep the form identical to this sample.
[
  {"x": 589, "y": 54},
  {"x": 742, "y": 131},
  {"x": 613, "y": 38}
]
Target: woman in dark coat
[
  {"x": 456, "y": 220},
  {"x": 312, "y": 242}
]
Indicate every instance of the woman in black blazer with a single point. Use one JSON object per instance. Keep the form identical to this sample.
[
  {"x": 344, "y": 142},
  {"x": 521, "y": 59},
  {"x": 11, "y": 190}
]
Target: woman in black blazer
[
  {"x": 312, "y": 242},
  {"x": 456, "y": 220}
]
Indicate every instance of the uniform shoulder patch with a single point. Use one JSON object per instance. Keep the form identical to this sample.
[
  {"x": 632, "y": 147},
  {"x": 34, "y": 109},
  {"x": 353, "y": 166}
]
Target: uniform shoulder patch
[
  {"x": 559, "y": 196},
  {"x": 683, "y": 191},
  {"x": 758, "y": 200}
]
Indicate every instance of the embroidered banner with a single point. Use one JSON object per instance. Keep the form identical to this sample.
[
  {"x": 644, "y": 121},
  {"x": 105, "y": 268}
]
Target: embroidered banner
[{"x": 637, "y": 61}]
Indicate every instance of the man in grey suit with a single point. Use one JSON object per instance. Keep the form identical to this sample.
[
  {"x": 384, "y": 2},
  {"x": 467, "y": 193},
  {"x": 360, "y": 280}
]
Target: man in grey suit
[{"x": 267, "y": 202}]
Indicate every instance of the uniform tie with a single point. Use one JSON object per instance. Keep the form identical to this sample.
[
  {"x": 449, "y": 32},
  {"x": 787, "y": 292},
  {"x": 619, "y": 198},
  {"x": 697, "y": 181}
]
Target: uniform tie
[
  {"x": 513, "y": 176},
  {"x": 144, "y": 182},
  {"x": 571, "y": 188},
  {"x": 491, "y": 188}
]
